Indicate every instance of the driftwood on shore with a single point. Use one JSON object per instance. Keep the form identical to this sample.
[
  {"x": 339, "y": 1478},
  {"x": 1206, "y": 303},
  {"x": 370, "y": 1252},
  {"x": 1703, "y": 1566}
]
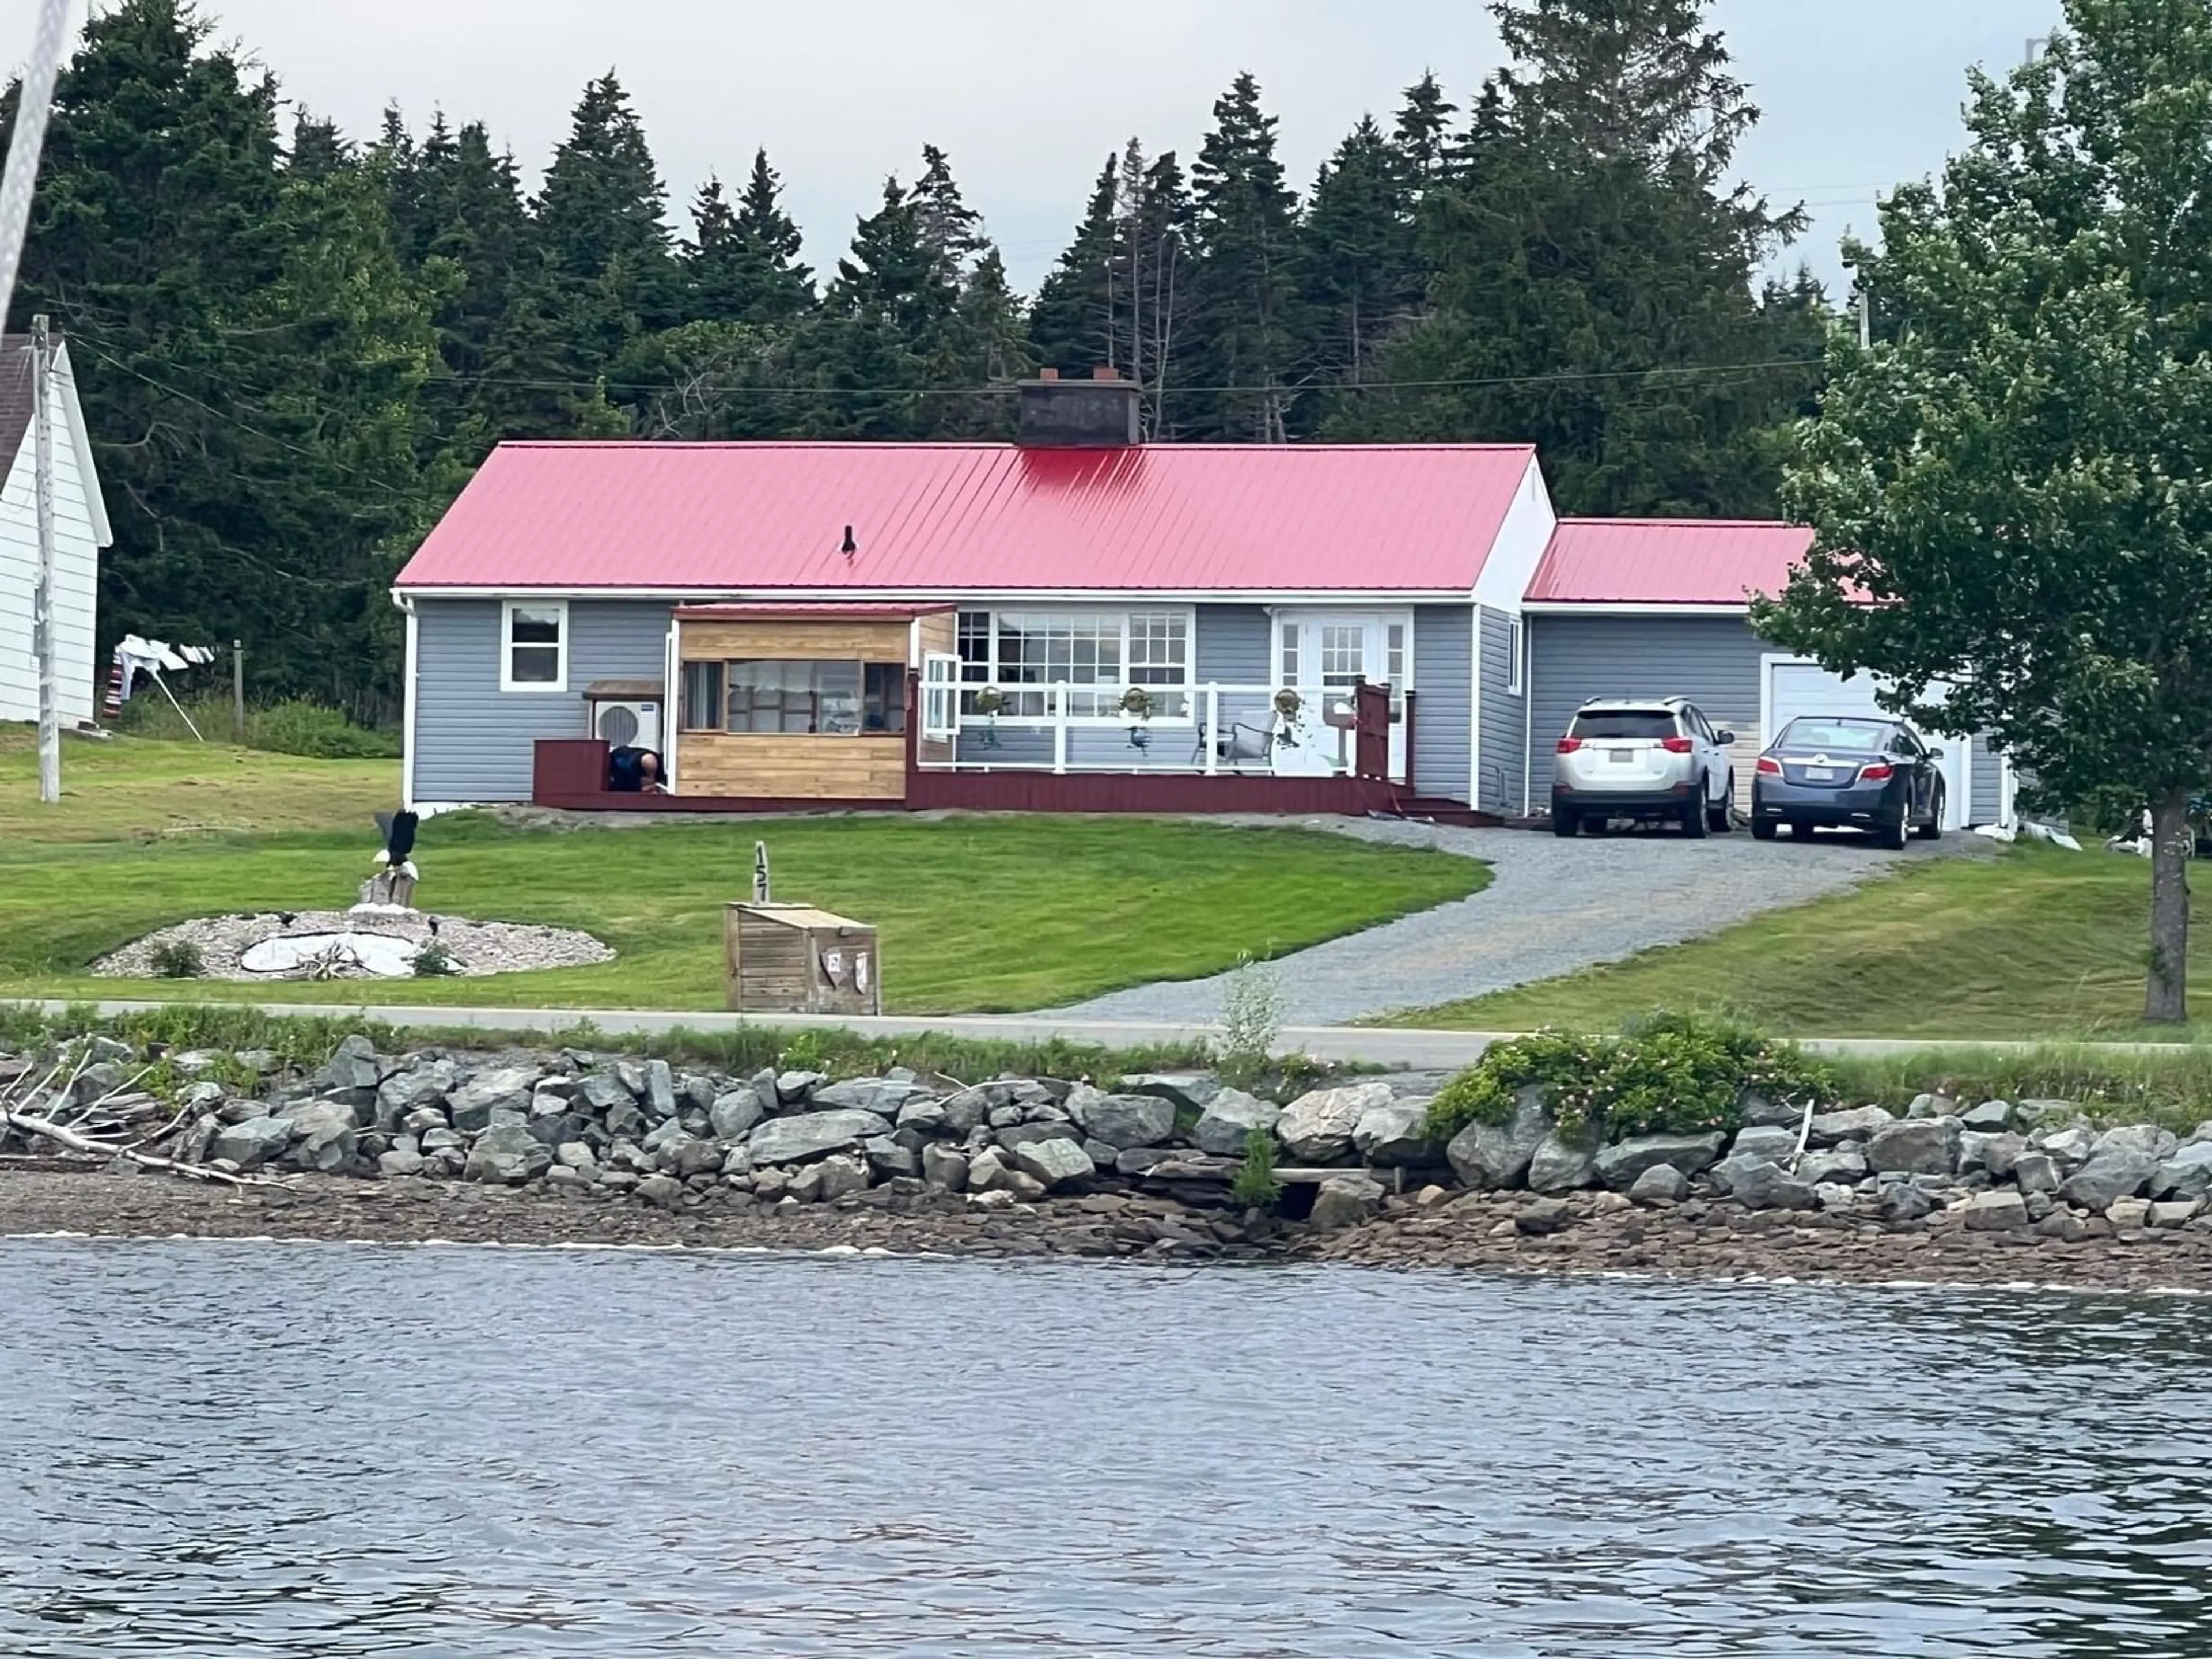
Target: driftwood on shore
[{"x": 96, "y": 1135}]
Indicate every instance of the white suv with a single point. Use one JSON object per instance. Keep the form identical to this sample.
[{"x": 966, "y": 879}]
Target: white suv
[{"x": 1652, "y": 758}]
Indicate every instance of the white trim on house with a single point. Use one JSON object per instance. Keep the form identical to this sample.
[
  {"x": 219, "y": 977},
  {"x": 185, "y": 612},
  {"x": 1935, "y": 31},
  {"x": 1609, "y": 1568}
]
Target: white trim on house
[
  {"x": 966, "y": 599},
  {"x": 407, "y": 710},
  {"x": 1517, "y": 657},
  {"x": 558, "y": 685},
  {"x": 1524, "y": 536},
  {"x": 1473, "y": 709},
  {"x": 1630, "y": 608}
]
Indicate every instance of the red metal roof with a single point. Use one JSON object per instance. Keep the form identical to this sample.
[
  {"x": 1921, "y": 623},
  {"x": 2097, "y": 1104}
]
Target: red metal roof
[
  {"x": 1662, "y": 561},
  {"x": 951, "y": 518}
]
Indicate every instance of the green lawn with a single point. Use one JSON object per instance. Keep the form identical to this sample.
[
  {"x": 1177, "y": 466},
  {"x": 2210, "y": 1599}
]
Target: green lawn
[
  {"x": 2036, "y": 944},
  {"x": 975, "y": 914},
  {"x": 134, "y": 789}
]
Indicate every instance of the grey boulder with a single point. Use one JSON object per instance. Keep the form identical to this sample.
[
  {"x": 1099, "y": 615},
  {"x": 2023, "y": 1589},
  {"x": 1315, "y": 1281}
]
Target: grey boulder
[
  {"x": 324, "y": 1134},
  {"x": 1316, "y": 1127},
  {"x": 504, "y": 1090},
  {"x": 1617, "y": 1166},
  {"x": 1495, "y": 1157},
  {"x": 355, "y": 1065},
  {"x": 1758, "y": 1183},
  {"x": 1194, "y": 1091},
  {"x": 253, "y": 1143},
  {"x": 2110, "y": 1175},
  {"x": 2159, "y": 1144},
  {"x": 1991, "y": 1117},
  {"x": 2000, "y": 1210},
  {"x": 1054, "y": 1164},
  {"x": 1843, "y": 1165},
  {"x": 1859, "y": 1123},
  {"x": 883, "y": 1096},
  {"x": 1393, "y": 1135},
  {"x": 1225, "y": 1126},
  {"x": 1772, "y": 1144},
  {"x": 1124, "y": 1120},
  {"x": 805, "y": 1135},
  {"x": 509, "y": 1153},
  {"x": 1925, "y": 1145},
  {"x": 944, "y": 1168},
  {"x": 1661, "y": 1184},
  {"x": 733, "y": 1114},
  {"x": 1559, "y": 1165},
  {"x": 1344, "y": 1200},
  {"x": 2186, "y": 1174}
]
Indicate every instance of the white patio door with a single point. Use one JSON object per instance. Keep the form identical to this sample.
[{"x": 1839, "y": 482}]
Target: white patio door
[{"x": 1321, "y": 655}]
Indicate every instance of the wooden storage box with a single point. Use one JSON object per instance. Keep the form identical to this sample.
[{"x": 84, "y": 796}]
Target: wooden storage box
[{"x": 795, "y": 959}]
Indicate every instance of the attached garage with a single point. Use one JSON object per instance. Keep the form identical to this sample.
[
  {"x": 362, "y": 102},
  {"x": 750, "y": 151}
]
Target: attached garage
[
  {"x": 1794, "y": 687},
  {"x": 1660, "y": 608}
]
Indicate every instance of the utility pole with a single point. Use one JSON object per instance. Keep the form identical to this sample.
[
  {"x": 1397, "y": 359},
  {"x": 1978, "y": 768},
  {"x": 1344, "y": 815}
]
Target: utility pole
[
  {"x": 238, "y": 689},
  {"x": 42, "y": 596},
  {"x": 1865, "y": 320}
]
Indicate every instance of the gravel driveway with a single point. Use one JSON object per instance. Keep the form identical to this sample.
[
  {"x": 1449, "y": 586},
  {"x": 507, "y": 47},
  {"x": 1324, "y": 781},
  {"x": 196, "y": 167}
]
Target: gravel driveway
[{"x": 1552, "y": 907}]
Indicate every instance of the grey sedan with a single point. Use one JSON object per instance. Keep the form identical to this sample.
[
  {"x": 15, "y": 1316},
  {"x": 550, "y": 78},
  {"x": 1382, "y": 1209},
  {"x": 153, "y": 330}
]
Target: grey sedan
[{"x": 1867, "y": 774}]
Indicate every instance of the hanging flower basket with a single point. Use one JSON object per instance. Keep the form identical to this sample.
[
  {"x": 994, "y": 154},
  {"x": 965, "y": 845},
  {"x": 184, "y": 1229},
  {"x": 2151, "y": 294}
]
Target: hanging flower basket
[
  {"x": 1288, "y": 703},
  {"x": 1137, "y": 703},
  {"x": 990, "y": 700}
]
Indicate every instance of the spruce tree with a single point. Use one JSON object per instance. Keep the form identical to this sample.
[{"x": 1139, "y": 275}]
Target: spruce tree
[
  {"x": 1247, "y": 333},
  {"x": 786, "y": 286},
  {"x": 1423, "y": 130},
  {"x": 1359, "y": 275},
  {"x": 600, "y": 225},
  {"x": 1073, "y": 323}
]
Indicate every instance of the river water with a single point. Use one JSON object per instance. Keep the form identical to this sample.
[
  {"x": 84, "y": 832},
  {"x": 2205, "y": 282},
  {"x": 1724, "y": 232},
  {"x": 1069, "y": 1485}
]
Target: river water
[{"x": 230, "y": 1450}]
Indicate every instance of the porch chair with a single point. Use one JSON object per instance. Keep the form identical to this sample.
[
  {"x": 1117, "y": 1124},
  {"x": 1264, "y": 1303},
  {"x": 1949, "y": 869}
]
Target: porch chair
[{"x": 1236, "y": 744}]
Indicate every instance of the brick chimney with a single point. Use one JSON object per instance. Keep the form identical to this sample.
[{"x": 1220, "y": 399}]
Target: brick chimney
[{"x": 1099, "y": 413}]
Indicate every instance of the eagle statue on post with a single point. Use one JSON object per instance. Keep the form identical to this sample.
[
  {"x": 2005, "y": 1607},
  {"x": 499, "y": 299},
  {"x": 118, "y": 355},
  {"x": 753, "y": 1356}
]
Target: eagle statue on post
[{"x": 393, "y": 886}]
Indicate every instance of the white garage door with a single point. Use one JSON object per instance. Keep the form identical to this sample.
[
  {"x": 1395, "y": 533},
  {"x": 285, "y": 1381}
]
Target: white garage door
[{"x": 1795, "y": 689}]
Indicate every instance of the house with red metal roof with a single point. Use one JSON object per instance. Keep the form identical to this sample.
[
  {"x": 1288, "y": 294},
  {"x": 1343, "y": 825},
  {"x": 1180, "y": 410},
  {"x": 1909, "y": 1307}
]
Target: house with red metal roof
[{"x": 1075, "y": 621}]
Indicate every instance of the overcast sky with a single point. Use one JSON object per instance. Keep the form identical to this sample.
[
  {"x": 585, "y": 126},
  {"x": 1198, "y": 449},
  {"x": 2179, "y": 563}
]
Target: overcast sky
[{"x": 1028, "y": 95}]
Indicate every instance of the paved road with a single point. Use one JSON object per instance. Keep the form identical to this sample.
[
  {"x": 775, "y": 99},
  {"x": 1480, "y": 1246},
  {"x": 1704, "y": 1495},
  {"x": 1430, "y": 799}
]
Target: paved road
[{"x": 1554, "y": 906}]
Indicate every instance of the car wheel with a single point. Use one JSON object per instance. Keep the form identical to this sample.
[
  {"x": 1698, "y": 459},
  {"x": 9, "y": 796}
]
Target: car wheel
[
  {"x": 1762, "y": 828},
  {"x": 1693, "y": 815},
  {"x": 1565, "y": 825},
  {"x": 1897, "y": 836},
  {"x": 1720, "y": 819},
  {"x": 1933, "y": 830}
]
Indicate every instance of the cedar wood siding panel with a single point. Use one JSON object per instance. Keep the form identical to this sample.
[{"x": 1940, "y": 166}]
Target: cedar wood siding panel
[
  {"x": 1504, "y": 719},
  {"x": 1714, "y": 661},
  {"x": 1443, "y": 703},
  {"x": 1230, "y": 646},
  {"x": 472, "y": 741}
]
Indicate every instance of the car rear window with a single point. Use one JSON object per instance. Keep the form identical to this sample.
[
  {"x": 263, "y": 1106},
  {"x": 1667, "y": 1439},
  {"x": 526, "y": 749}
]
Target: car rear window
[
  {"x": 1615, "y": 724},
  {"x": 1835, "y": 734}
]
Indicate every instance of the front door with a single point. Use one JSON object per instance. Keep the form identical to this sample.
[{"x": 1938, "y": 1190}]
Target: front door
[{"x": 1321, "y": 656}]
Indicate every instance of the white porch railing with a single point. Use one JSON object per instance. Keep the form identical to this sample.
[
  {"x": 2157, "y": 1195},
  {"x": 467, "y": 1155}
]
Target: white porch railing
[{"x": 1202, "y": 729}]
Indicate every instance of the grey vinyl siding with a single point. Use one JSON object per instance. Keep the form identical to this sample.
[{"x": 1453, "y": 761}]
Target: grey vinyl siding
[
  {"x": 1230, "y": 646},
  {"x": 1988, "y": 803},
  {"x": 1443, "y": 701},
  {"x": 472, "y": 741},
  {"x": 1714, "y": 661},
  {"x": 1504, "y": 719}
]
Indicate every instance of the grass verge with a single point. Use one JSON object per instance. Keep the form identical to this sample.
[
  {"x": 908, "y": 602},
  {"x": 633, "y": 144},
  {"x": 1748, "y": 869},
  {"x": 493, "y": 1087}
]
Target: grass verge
[
  {"x": 2035, "y": 944},
  {"x": 308, "y": 1041}
]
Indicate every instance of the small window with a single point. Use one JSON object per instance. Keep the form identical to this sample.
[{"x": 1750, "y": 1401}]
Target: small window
[
  {"x": 1290, "y": 653},
  {"x": 1624, "y": 726},
  {"x": 883, "y": 699},
  {"x": 1393, "y": 652},
  {"x": 702, "y": 696},
  {"x": 1513, "y": 651},
  {"x": 534, "y": 646},
  {"x": 975, "y": 630}
]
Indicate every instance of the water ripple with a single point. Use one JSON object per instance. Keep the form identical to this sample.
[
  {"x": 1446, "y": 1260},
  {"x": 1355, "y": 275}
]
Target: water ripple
[{"x": 218, "y": 1450}]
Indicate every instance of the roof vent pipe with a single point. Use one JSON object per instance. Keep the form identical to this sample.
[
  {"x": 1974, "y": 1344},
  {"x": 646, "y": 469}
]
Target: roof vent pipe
[{"x": 851, "y": 547}]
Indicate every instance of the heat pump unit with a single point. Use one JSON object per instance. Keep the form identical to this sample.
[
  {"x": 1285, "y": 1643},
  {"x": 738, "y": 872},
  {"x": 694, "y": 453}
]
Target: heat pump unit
[{"x": 627, "y": 724}]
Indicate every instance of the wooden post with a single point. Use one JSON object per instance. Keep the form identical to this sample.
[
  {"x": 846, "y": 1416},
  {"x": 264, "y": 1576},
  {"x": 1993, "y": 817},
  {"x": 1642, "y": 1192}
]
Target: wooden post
[{"x": 238, "y": 689}]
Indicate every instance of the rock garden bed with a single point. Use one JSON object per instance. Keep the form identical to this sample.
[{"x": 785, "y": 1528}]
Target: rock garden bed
[{"x": 346, "y": 944}]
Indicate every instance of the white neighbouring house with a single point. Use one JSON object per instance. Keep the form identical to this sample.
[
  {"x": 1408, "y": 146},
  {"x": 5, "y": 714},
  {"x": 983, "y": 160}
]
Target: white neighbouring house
[{"x": 80, "y": 531}]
